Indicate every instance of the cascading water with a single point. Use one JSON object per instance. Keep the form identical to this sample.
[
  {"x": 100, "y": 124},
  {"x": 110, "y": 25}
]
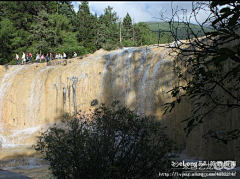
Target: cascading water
[
  {"x": 133, "y": 81},
  {"x": 16, "y": 137},
  {"x": 129, "y": 75},
  {"x": 35, "y": 99},
  {"x": 5, "y": 84},
  {"x": 12, "y": 136}
]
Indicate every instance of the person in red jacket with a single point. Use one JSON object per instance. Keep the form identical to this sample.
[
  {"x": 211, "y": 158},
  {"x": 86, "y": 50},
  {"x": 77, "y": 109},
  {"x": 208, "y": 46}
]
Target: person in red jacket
[{"x": 30, "y": 57}]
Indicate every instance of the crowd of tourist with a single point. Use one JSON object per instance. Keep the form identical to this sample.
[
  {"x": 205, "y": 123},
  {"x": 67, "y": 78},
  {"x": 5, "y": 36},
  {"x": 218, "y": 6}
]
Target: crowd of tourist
[{"x": 27, "y": 58}]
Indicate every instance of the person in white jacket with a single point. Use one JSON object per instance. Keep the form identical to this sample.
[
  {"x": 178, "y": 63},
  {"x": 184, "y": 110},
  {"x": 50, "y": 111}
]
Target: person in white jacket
[
  {"x": 64, "y": 55},
  {"x": 17, "y": 57},
  {"x": 23, "y": 58},
  {"x": 74, "y": 55}
]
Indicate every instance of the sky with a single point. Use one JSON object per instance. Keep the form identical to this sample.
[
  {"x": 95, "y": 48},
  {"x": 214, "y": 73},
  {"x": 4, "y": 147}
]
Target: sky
[{"x": 142, "y": 11}]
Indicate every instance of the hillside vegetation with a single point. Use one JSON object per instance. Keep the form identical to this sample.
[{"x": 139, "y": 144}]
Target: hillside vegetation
[
  {"x": 182, "y": 31},
  {"x": 54, "y": 27}
]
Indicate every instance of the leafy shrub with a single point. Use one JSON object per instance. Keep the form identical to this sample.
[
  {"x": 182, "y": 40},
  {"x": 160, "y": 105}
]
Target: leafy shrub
[
  {"x": 111, "y": 142},
  {"x": 128, "y": 43}
]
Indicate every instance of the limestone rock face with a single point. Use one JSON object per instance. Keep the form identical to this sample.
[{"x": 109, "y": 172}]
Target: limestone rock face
[{"x": 34, "y": 96}]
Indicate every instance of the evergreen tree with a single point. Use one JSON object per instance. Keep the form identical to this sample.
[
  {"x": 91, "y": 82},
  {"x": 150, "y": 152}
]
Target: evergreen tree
[
  {"x": 83, "y": 17},
  {"x": 127, "y": 25},
  {"x": 108, "y": 30},
  {"x": 143, "y": 34},
  {"x": 6, "y": 34},
  {"x": 50, "y": 7},
  {"x": 22, "y": 14},
  {"x": 63, "y": 39},
  {"x": 70, "y": 44},
  {"x": 86, "y": 27},
  {"x": 57, "y": 24},
  {"x": 41, "y": 33},
  {"x": 67, "y": 9}
]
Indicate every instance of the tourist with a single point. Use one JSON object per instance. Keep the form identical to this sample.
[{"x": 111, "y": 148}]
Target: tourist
[
  {"x": 41, "y": 58},
  {"x": 37, "y": 57},
  {"x": 51, "y": 56},
  {"x": 46, "y": 57},
  {"x": 74, "y": 55},
  {"x": 30, "y": 57},
  {"x": 64, "y": 55},
  {"x": 17, "y": 57},
  {"x": 23, "y": 58}
]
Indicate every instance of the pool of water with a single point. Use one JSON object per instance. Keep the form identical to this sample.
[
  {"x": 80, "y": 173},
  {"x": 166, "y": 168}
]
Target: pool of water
[{"x": 23, "y": 160}]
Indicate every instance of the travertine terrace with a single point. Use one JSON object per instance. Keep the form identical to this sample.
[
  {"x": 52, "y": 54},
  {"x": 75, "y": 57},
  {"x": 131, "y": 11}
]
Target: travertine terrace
[{"x": 34, "y": 96}]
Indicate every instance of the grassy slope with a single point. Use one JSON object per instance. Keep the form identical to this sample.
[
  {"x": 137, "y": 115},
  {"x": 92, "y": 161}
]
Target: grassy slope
[{"x": 181, "y": 28}]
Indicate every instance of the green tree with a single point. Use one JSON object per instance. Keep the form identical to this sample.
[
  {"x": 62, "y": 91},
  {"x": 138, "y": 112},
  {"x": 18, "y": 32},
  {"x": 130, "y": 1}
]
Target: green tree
[
  {"x": 41, "y": 33},
  {"x": 107, "y": 34},
  {"x": 67, "y": 9},
  {"x": 113, "y": 142},
  {"x": 144, "y": 35},
  {"x": 7, "y": 30},
  {"x": 127, "y": 23},
  {"x": 127, "y": 27},
  {"x": 70, "y": 44},
  {"x": 165, "y": 37},
  {"x": 86, "y": 27},
  {"x": 51, "y": 7},
  {"x": 212, "y": 63},
  {"x": 57, "y": 24},
  {"x": 22, "y": 14}
]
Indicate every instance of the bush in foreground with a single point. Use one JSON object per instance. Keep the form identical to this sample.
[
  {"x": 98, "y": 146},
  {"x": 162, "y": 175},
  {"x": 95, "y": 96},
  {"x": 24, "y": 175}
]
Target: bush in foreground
[{"x": 114, "y": 143}]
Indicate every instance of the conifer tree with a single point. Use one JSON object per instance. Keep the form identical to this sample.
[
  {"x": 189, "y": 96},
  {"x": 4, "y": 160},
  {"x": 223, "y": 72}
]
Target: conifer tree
[
  {"x": 6, "y": 33},
  {"x": 86, "y": 26},
  {"x": 41, "y": 33},
  {"x": 143, "y": 35},
  {"x": 127, "y": 24},
  {"x": 107, "y": 31}
]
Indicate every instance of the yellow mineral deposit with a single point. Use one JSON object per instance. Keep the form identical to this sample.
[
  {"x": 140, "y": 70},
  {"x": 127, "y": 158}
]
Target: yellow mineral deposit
[{"x": 35, "y": 96}]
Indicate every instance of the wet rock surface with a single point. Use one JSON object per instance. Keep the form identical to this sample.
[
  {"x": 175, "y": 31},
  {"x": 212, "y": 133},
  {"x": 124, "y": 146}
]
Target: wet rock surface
[
  {"x": 4, "y": 174},
  {"x": 23, "y": 162}
]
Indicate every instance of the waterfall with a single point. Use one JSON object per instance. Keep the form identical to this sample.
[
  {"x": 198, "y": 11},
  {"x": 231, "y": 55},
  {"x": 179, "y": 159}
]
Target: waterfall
[
  {"x": 6, "y": 83},
  {"x": 35, "y": 98},
  {"x": 130, "y": 80},
  {"x": 129, "y": 75},
  {"x": 17, "y": 137}
]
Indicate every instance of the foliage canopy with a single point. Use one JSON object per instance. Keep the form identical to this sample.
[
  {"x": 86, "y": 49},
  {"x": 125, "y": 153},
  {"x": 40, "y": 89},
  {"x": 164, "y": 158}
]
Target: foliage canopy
[{"x": 54, "y": 26}]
